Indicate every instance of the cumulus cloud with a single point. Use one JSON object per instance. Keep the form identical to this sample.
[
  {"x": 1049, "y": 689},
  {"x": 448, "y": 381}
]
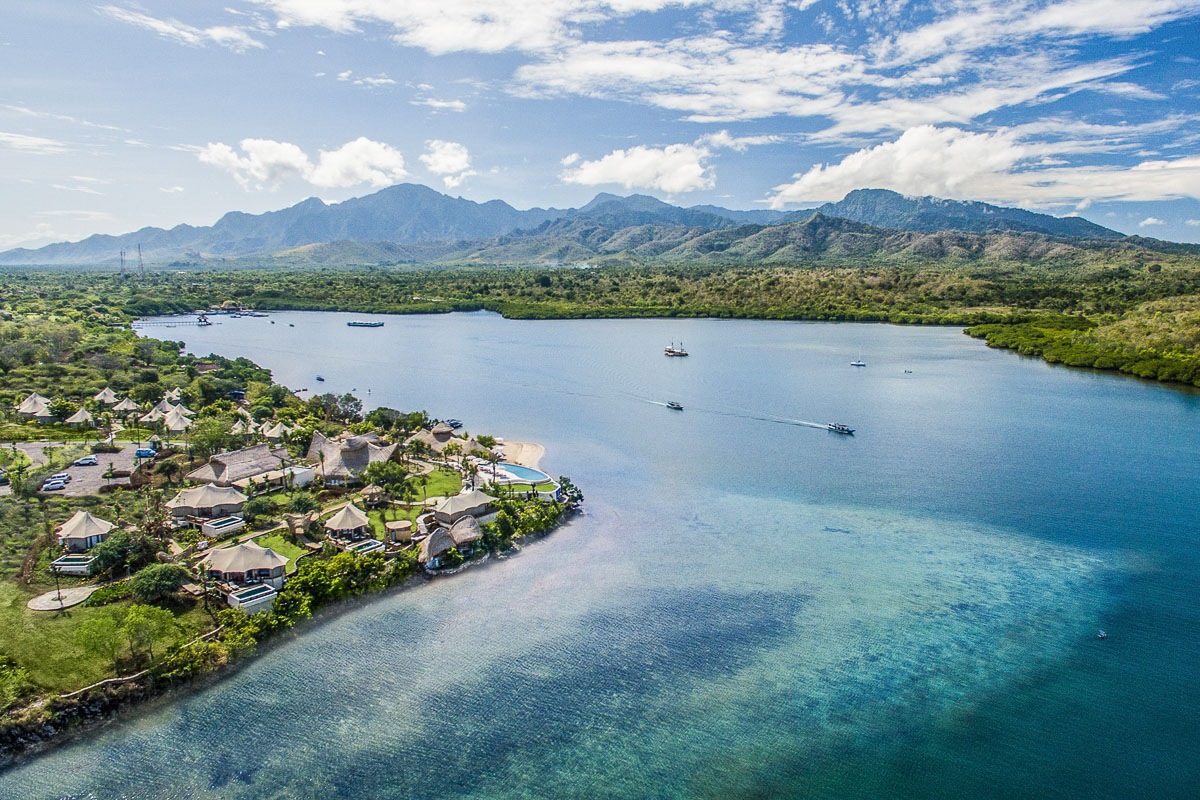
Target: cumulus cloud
[
  {"x": 1000, "y": 166},
  {"x": 31, "y": 144},
  {"x": 450, "y": 160},
  {"x": 1193, "y": 222},
  {"x": 674, "y": 169},
  {"x": 40, "y": 233},
  {"x": 171, "y": 189},
  {"x": 234, "y": 37},
  {"x": 1148, "y": 221},
  {"x": 265, "y": 163}
]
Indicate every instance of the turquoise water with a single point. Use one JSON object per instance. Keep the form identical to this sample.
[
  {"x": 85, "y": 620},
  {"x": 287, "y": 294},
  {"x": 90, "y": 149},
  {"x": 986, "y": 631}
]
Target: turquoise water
[
  {"x": 750, "y": 607},
  {"x": 525, "y": 473}
]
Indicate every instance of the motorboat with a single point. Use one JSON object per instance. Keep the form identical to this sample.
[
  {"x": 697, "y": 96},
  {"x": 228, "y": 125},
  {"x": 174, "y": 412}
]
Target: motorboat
[
  {"x": 674, "y": 406},
  {"x": 321, "y": 378},
  {"x": 675, "y": 352},
  {"x": 837, "y": 427},
  {"x": 359, "y": 324}
]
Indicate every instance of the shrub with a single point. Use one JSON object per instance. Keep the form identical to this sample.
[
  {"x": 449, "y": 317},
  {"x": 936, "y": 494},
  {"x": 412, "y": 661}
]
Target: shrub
[
  {"x": 157, "y": 581},
  {"x": 109, "y": 593}
]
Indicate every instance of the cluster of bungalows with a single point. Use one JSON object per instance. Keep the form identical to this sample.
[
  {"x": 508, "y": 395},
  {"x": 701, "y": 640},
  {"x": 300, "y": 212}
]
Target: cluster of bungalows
[
  {"x": 456, "y": 522},
  {"x": 174, "y": 416}
]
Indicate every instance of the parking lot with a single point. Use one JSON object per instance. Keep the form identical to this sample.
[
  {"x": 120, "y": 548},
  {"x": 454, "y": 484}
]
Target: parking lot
[{"x": 84, "y": 480}]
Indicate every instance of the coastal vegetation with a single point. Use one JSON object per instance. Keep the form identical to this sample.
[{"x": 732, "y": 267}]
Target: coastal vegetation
[
  {"x": 1134, "y": 311},
  {"x": 153, "y": 619}
]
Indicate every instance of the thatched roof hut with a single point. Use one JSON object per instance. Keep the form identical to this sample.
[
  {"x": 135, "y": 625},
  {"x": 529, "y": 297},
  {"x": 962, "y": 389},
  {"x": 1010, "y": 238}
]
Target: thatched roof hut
[
  {"x": 226, "y": 468},
  {"x": 466, "y": 531},
  {"x": 399, "y": 530},
  {"x": 106, "y": 396},
  {"x": 126, "y": 405},
  {"x": 373, "y": 495},
  {"x": 176, "y": 422},
  {"x": 435, "y": 545},
  {"x": 343, "y": 459}
]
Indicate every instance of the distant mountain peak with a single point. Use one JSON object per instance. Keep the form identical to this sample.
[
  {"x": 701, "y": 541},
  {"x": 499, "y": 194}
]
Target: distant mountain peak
[{"x": 888, "y": 209}]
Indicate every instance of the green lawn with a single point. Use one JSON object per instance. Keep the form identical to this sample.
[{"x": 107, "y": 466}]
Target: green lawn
[
  {"x": 441, "y": 482},
  {"x": 521, "y": 488},
  {"x": 42, "y": 641},
  {"x": 280, "y": 545}
]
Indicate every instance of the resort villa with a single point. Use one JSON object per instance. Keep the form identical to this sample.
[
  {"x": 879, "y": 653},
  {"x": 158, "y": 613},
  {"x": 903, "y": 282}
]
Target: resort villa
[
  {"x": 433, "y": 547},
  {"x": 250, "y": 575},
  {"x": 341, "y": 460},
  {"x": 106, "y": 396},
  {"x": 207, "y": 502},
  {"x": 227, "y": 469},
  {"x": 81, "y": 417},
  {"x": 126, "y": 406},
  {"x": 82, "y": 531},
  {"x": 245, "y": 565},
  {"x": 474, "y": 503},
  {"x": 35, "y": 407},
  {"x": 465, "y": 533},
  {"x": 348, "y": 524},
  {"x": 442, "y": 436}
]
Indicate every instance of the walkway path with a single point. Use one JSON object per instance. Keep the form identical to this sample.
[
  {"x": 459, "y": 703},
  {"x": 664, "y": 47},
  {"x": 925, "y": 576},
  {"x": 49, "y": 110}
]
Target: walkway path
[{"x": 72, "y": 596}]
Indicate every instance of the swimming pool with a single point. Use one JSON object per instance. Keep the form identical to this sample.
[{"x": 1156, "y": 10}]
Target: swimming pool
[{"x": 525, "y": 474}]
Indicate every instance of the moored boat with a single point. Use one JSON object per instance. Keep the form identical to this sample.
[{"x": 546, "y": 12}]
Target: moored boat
[{"x": 359, "y": 324}]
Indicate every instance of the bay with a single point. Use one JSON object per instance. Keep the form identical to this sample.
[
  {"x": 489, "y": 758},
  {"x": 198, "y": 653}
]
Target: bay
[{"x": 751, "y": 606}]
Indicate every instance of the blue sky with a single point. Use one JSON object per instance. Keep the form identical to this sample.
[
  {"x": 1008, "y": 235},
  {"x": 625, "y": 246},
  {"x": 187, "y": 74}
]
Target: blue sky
[{"x": 116, "y": 115}]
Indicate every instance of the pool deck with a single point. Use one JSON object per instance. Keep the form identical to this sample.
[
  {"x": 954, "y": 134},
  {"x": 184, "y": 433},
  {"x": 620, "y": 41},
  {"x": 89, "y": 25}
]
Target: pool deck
[{"x": 525, "y": 454}]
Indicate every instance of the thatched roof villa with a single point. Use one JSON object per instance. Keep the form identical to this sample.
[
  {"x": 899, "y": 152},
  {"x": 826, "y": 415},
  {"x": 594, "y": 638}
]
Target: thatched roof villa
[{"x": 224, "y": 469}]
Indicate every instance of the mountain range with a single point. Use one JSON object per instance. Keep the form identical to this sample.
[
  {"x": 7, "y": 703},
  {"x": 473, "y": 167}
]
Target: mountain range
[{"x": 415, "y": 224}]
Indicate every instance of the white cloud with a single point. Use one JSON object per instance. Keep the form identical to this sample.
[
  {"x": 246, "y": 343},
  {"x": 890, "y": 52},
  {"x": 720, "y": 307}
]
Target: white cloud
[
  {"x": 236, "y": 38},
  {"x": 31, "y": 112},
  {"x": 441, "y": 105},
  {"x": 1148, "y": 221},
  {"x": 76, "y": 188},
  {"x": 1000, "y": 166},
  {"x": 265, "y": 163},
  {"x": 171, "y": 189},
  {"x": 345, "y": 76},
  {"x": 374, "y": 81},
  {"x": 40, "y": 233},
  {"x": 467, "y": 25},
  {"x": 450, "y": 160},
  {"x": 1193, "y": 222},
  {"x": 675, "y": 168},
  {"x": 359, "y": 161},
  {"x": 32, "y": 144}
]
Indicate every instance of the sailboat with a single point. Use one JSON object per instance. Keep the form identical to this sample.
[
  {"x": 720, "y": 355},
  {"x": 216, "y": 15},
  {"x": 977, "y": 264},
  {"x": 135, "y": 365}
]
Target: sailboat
[{"x": 859, "y": 362}]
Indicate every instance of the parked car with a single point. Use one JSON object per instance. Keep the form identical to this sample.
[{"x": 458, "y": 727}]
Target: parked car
[
  {"x": 87, "y": 461},
  {"x": 145, "y": 452},
  {"x": 54, "y": 486},
  {"x": 60, "y": 476},
  {"x": 454, "y": 423}
]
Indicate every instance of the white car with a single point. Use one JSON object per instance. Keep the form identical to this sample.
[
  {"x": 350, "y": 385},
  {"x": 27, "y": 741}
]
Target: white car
[
  {"x": 87, "y": 461},
  {"x": 54, "y": 486},
  {"x": 59, "y": 477}
]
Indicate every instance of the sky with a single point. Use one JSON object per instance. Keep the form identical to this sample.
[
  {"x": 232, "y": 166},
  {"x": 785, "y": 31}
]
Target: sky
[{"x": 117, "y": 115}]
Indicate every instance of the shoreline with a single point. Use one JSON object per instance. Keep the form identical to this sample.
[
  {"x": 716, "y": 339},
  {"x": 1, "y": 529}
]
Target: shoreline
[
  {"x": 524, "y": 454},
  {"x": 93, "y": 714}
]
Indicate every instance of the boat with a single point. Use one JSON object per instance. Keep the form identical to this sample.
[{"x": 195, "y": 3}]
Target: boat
[
  {"x": 321, "y": 379},
  {"x": 291, "y": 324},
  {"x": 1101, "y": 635},
  {"x": 859, "y": 361},
  {"x": 674, "y": 406},
  {"x": 675, "y": 352},
  {"x": 838, "y": 427},
  {"x": 453, "y": 423},
  {"x": 358, "y": 324}
]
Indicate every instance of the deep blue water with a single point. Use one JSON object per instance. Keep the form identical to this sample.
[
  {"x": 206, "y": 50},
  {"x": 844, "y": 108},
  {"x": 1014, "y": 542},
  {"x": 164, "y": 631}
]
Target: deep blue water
[{"x": 750, "y": 607}]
